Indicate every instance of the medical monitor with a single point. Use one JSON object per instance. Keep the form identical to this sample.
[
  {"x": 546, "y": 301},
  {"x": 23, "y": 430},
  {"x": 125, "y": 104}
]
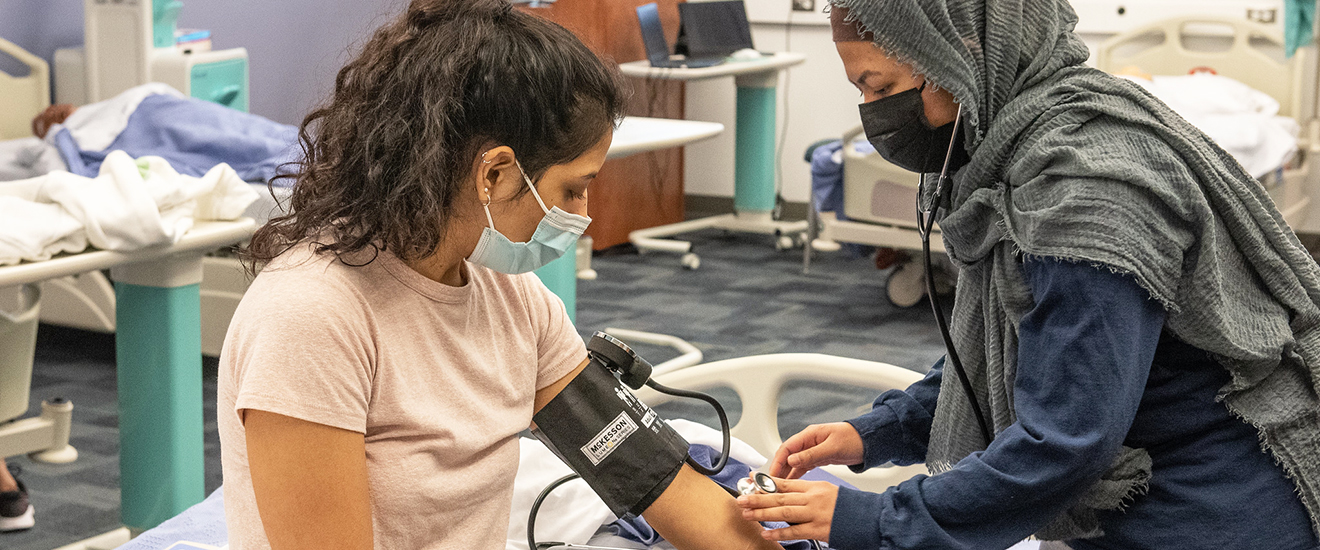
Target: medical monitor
[{"x": 714, "y": 29}]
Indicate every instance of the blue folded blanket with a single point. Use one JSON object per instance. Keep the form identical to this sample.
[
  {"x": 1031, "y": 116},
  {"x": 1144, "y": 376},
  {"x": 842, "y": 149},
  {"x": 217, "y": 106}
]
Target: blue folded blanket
[{"x": 194, "y": 136}]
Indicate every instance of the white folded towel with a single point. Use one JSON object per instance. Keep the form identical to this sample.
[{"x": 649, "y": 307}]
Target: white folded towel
[{"x": 131, "y": 204}]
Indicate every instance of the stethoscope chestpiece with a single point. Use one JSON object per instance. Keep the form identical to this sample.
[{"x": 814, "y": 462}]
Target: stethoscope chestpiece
[{"x": 759, "y": 483}]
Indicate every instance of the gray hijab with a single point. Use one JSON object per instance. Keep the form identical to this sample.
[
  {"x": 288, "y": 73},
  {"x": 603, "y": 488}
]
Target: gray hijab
[{"x": 1072, "y": 164}]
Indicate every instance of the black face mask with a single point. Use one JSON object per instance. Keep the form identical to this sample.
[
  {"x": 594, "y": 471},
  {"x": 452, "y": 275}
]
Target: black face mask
[{"x": 897, "y": 127}]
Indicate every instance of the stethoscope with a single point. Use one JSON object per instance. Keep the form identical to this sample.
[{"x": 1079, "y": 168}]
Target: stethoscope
[
  {"x": 760, "y": 482},
  {"x": 926, "y": 224}
]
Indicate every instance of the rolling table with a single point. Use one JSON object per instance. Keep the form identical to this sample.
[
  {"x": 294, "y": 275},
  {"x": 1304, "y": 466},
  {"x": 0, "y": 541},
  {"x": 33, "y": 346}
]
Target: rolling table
[
  {"x": 158, "y": 356},
  {"x": 634, "y": 135},
  {"x": 754, "y": 153}
]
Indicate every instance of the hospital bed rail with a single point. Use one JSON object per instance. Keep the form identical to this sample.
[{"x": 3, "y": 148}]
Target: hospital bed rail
[
  {"x": 759, "y": 380},
  {"x": 22, "y": 97}
]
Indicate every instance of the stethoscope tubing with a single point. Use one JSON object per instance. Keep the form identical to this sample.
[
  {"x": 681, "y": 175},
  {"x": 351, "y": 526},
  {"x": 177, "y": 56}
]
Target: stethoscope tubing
[{"x": 925, "y": 225}]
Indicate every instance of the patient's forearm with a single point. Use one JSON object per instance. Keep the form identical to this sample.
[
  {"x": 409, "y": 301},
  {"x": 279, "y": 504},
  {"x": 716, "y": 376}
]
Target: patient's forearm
[{"x": 696, "y": 514}]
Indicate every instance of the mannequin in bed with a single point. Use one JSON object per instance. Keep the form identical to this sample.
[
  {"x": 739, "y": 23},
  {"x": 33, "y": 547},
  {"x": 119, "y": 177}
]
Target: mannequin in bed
[
  {"x": 54, "y": 114},
  {"x": 153, "y": 119},
  {"x": 378, "y": 371}
]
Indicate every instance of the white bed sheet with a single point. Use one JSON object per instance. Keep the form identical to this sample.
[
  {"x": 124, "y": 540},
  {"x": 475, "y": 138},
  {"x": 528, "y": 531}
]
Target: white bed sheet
[
  {"x": 1242, "y": 120},
  {"x": 28, "y": 157},
  {"x": 269, "y": 203}
]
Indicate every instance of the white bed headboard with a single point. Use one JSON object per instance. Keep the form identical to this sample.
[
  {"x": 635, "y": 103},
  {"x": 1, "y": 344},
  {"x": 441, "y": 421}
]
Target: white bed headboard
[
  {"x": 1160, "y": 49},
  {"x": 22, "y": 98}
]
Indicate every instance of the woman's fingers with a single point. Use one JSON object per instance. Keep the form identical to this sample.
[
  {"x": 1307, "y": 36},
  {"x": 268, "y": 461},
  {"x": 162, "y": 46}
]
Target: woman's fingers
[
  {"x": 760, "y": 501},
  {"x": 798, "y": 532},
  {"x": 789, "y": 455},
  {"x": 786, "y": 514},
  {"x": 818, "y": 445},
  {"x": 791, "y": 486},
  {"x": 779, "y": 464},
  {"x": 808, "y": 505}
]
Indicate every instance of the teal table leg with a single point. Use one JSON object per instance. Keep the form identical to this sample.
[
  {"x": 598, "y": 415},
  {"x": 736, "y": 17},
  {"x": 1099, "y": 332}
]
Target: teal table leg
[
  {"x": 158, "y": 348},
  {"x": 560, "y": 276},
  {"x": 754, "y": 149}
]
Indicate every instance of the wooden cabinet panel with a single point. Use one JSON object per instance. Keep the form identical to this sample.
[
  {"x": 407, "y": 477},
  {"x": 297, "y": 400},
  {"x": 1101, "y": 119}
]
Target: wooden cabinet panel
[{"x": 642, "y": 190}]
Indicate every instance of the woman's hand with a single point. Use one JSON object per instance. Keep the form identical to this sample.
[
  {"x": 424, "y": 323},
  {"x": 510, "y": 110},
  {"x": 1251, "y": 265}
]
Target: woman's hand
[
  {"x": 807, "y": 505},
  {"x": 818, "y": 445}
]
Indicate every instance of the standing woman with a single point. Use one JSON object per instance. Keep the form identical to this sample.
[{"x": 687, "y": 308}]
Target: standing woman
[
  {"x": 1136, "y": 322},
  {"x": 377, "y": 373}
]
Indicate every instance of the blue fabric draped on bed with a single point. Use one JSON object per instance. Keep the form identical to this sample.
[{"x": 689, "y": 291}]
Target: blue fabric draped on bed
[{"x": 194, "y": 136}]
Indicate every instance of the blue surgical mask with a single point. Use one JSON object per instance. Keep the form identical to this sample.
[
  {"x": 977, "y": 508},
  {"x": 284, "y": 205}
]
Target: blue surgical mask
[{"x": 555, "y": 235}]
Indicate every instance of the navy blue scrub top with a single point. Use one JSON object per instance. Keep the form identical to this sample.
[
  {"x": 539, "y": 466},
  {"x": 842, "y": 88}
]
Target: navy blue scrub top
[{"x": 1096, "y": 371}]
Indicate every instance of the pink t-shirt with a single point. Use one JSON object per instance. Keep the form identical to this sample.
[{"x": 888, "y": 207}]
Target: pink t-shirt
[{"x": 440, "y": 380}]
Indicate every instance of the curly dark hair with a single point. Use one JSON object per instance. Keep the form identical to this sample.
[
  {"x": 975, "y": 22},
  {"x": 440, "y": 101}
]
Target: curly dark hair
[{"x": 385, "y": 158}]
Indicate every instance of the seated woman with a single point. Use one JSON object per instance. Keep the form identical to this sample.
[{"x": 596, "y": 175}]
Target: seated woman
[{"x": 377, "y": 373}]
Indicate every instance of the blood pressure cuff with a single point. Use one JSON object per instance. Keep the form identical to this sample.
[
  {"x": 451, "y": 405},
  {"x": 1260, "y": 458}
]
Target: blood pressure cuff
[{"x": 623, "y": 450}]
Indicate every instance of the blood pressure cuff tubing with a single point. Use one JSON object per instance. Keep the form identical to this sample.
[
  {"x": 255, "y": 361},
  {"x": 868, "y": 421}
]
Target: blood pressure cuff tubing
[{"x": 623, "y": 450}]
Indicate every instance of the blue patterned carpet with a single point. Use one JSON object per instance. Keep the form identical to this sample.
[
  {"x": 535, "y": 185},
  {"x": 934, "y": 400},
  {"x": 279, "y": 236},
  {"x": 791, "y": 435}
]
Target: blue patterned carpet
[{"x": 746, "y": 299}]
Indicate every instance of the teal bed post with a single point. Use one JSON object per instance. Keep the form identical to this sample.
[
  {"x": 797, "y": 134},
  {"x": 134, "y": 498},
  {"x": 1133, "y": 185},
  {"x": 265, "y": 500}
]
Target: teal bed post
[
  {"x": 560, "y": 276},
  {"x": 754, "y": 149},
  {"x": 158, "y": 351}
]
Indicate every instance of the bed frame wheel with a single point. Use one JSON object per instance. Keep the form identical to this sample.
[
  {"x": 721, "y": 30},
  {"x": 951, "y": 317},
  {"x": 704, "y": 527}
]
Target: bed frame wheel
[
  {"x": 906, "y": 285},
  {"x": 690, "y": 260}
]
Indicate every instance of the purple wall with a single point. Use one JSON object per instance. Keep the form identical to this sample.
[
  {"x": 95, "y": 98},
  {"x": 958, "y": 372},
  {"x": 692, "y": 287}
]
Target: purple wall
[
  {"x": 294, "y": 46},
  {"x": 40, "y": 26}
]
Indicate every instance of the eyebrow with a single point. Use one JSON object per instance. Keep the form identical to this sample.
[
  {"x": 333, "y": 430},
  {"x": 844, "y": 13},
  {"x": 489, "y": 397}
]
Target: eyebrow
[{"x": 865, "y": 75}]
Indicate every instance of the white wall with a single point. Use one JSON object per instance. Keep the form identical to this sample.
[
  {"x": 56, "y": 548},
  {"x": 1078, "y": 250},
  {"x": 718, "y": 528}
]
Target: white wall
[{"x": 821, "y": 103}]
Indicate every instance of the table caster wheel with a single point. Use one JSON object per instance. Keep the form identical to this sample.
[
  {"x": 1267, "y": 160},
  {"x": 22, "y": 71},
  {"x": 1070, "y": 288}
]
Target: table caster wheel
[
  {"x": 784, "y": 242},
  {"x": 690, "y": 260}
]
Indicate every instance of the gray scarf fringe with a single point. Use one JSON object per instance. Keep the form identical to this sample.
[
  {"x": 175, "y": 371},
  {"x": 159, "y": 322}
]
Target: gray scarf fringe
[{"x": 1074, "y": 164}]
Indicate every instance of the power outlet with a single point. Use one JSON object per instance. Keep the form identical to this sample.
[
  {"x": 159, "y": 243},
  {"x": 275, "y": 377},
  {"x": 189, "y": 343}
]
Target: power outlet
[{"x": 804, "y": 5}]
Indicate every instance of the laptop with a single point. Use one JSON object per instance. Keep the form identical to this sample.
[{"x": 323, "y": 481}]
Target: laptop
[
  {"x": 657, "y": 47},
  {"x": 713, "y": 29}
]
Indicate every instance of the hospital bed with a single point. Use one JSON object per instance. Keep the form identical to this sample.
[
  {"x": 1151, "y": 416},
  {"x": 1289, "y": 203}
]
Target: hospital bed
[
  {"x": 879, "y": 197},
  {"x": 87, "y": 301}
]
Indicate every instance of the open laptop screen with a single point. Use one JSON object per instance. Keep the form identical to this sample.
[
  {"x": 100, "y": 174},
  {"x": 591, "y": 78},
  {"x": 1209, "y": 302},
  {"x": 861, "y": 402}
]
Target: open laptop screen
[
  {"x": 653, "y": 34},
  {"x": 715, "y": 29}
]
